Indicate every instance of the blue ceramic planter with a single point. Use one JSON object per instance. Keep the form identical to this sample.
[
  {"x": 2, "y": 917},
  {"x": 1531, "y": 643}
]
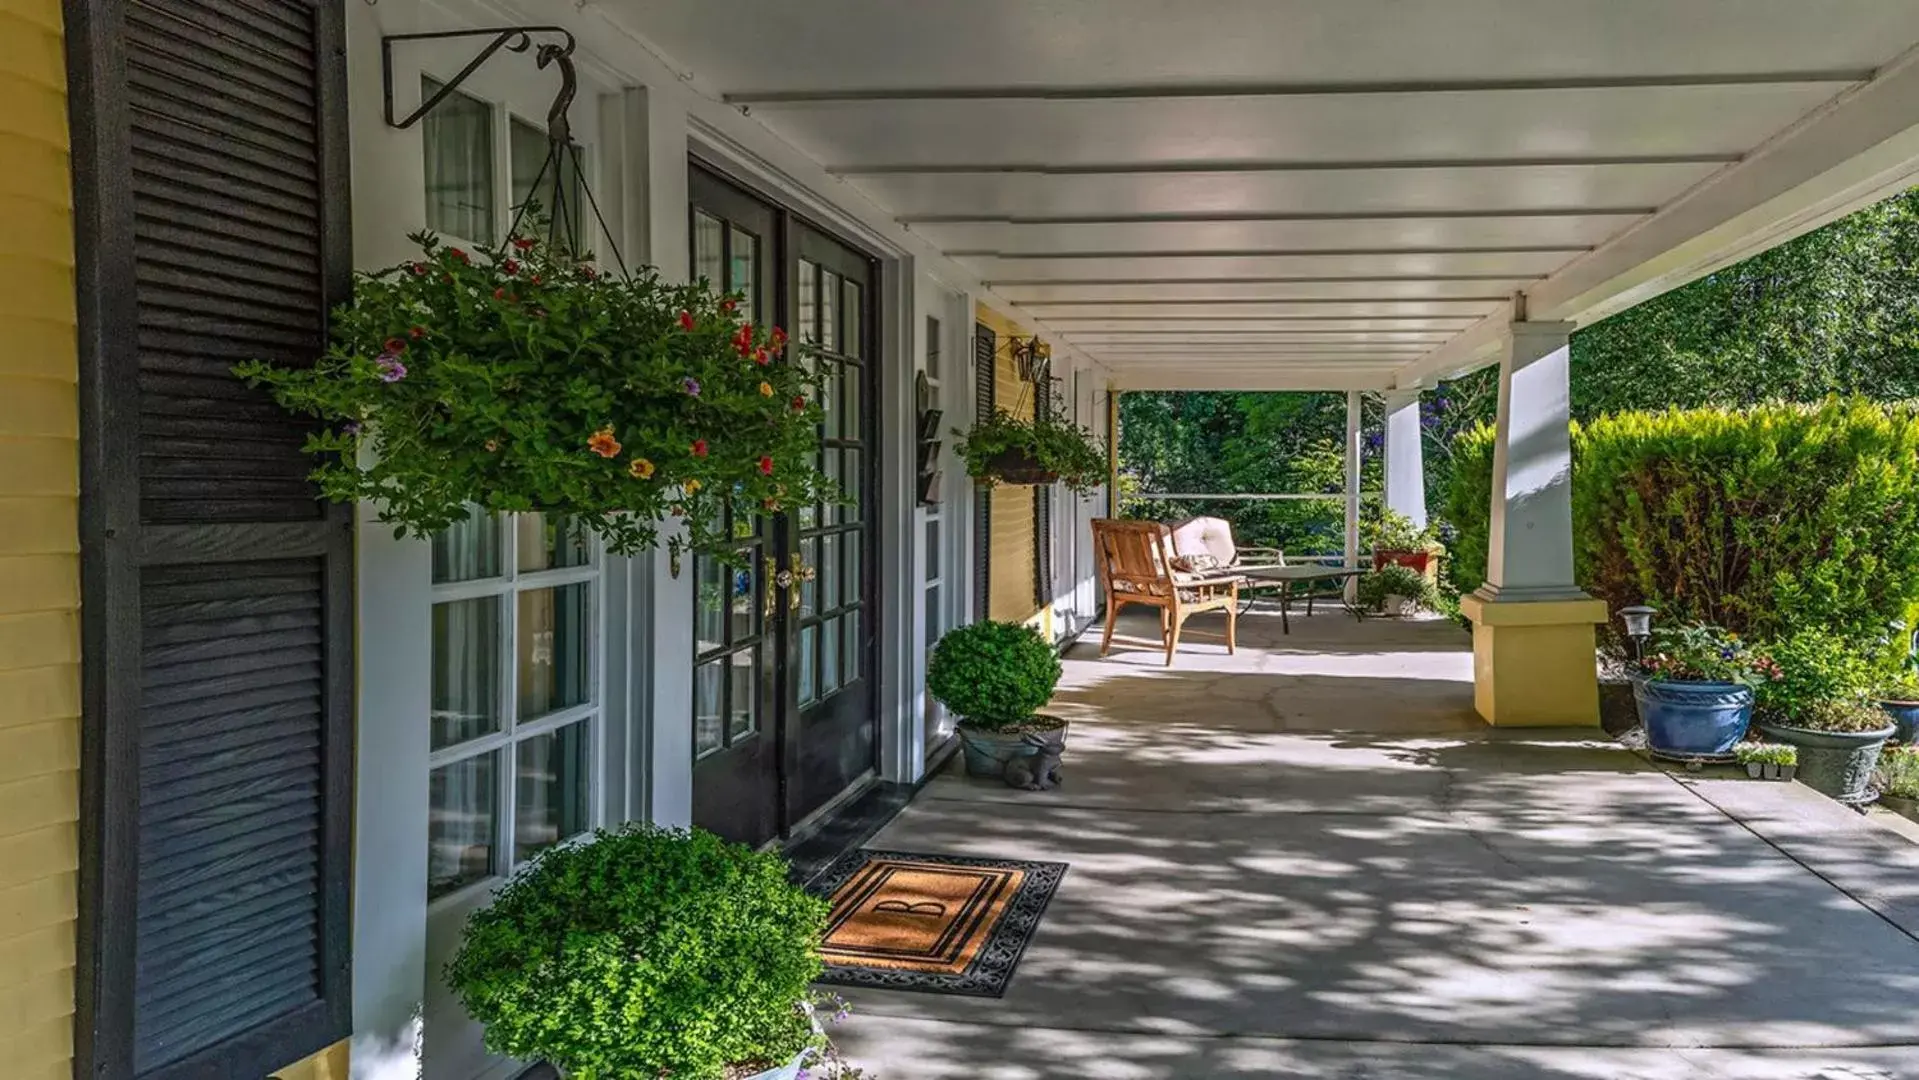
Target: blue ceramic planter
[
  {"x": 1906, "y": 715},
  {"x": 1693, "y": 719}
]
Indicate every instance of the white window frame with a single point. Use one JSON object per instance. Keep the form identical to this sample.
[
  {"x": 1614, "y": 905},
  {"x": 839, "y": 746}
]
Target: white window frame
[
  {"x": 501, "y": 118},
  {"x": 508, "y": 587}
]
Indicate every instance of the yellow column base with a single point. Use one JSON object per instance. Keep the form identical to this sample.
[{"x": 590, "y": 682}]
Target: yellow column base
[
  {"x": 1533, "y": 661},
  {"x": 328, "y": 1064}
]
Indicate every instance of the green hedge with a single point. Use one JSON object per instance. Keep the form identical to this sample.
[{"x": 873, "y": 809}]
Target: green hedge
[{"x": 1764, "y": 520}]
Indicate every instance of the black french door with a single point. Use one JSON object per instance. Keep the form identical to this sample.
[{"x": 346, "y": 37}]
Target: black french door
[{"x": 783, "y": 711}]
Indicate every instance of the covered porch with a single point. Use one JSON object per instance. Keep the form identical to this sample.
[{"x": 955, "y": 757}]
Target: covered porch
[{"x": 1311, "y": 859}]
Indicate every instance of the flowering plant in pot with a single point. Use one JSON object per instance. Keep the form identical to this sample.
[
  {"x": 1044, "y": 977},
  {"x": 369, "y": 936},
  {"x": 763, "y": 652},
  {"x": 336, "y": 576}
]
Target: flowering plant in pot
[
  {"x": 996, "y": 676},
  {"x": 1396, "y": 589},
  {"x": 522, "y": 380},
  {"x": 1818, "y": 704},
  {"x": 1009, "y": 450},
  {"x": 648, "y": 952},
  {"x": 1898, "y": 780},
  {"x": 1396, "y": 541},
  {"x": 1694, "y": 686}
]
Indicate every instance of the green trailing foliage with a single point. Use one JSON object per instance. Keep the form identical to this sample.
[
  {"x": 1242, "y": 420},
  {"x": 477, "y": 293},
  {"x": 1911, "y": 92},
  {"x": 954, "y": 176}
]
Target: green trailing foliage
[
  {"x": 645, "y": 952},
  {"x": 1058, "y": 446},
  {"x": 1394, "y": 580},
  {"x": 993, "y": 674},
  {"x": 1763, "y": 520}
]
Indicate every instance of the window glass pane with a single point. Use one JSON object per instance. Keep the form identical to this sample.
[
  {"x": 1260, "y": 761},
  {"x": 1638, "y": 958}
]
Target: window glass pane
[
  {"x": 462, "y": 810},
  {"x": 809, "y": 655},
  {"x": 550, "y": 800},
  {"x": 561, "y": 192},
  {"x": 850, "y": 650},
  {"x": 458, "y": 139},
  {"x": 467, "y": 550},
  {"x": 742, "y": 701},
  {"x": 466, "y": 670},
  {"x": 744, "y": 274},
  {"x": 709, "y": 616},
  {"x": 829, "y": 571},
  {"x": 709, "y": 251},
  {"x": 809, "y": 301},
  {"x": 810, "y": 590},
  {"x": 829, "y": 311},
  {"x": 829, "y": 656},
  {"x": 550, "y": 543},
  {"x": 745, "y": 603},
  {"x": 932, "y": 348},
  {"x": 935, "y": 618},
  {"x": 932, "y": 549},
  {"x": 553, "y": 646},
  {"x": 708, "y": 689},
  {"x": 850, "y": 334}
]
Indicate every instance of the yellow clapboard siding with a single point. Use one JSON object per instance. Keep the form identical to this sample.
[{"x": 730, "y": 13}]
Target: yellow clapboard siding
[
  {"x": 39, "y": 541},
  {"x": 1010, "y": 595}
]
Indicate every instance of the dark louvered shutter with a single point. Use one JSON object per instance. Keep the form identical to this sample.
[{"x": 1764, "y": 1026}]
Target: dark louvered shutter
[
  {"x": 1042, "y": 509},
  {"x": 985, "y": 382},
  {"x": 210, "y": 182}
]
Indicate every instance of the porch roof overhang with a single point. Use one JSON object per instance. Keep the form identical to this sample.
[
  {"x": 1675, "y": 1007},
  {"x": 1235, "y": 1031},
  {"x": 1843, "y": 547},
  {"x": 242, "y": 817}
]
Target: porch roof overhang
[{"x": 1287, "y": 194}]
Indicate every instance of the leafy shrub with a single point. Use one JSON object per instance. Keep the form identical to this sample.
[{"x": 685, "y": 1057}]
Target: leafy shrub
[
  {"x": 521, "y": 380},
  {"x": 1904, "y": 690},
  {"x": 1758, "y": 753},
  {"x": 1701, "y": 653},
  {"x": 645, "y": 952},
  {"x": 1899, "y": 771},
  {"x": 1813, "y": 666},
  {"x": 1851, "y": 717},
  {"x": 1390, "y": 530},
  {"x": 994, "y": 674},
  {"x": 1394, "y": 580},
  {"x": 1761, "y": 520}
]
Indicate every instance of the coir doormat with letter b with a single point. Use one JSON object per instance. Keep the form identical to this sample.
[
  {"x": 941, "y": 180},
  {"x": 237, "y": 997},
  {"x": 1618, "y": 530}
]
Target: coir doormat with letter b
[{"x": 942, "y": 924}]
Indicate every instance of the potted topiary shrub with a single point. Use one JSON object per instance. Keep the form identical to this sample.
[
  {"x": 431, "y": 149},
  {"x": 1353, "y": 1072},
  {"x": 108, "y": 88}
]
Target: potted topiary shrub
[
  {"x": 1396, "y": 589},
  {"x": 1899, "y": 780},
  {"x": 647, "y": 952},
  {"x": 1694, "y": 690},
  {"x": 1396, "y": 541},
  {"x": 996, "y": 676},
  {"x": 1767, "y": 761},
  {"x": 1818, "y": 705}
]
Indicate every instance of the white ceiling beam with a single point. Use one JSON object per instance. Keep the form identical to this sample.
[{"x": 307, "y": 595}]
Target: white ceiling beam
[
  {"x": 1260, "y": 253},
  {"x": 1206, "y": 217},
  {"x": 1215, "y": 165},
  {"x": 1851, "y": 152},
  {"x": 1253, "y": 379}
]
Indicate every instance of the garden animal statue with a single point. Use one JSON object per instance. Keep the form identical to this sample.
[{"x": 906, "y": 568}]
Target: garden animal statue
[{"x": 1038, "y": 771}]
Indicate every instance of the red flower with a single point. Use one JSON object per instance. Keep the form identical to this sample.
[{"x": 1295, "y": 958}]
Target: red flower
[
  {"x": 590, "y": 273},
  {"x": 686, "y": 320},
  {"x": 699, "y": 447},
  {"x": 416, "y": 333},
  {"x": 778, "y": 339},
  {"x": 417, "y": 268},
  {"x": 499, "y": 294},
  {"x": 535, "y": 279},
  {"x": 511, "y": 266},
  {"x": 766, "y": 466},
  {"x": 743, "y": 339},
  {"x": 393, "y": 345},
  {"x": 458, "y": 254},
  {"x": 760, "y": 357},
  {"x": 728, "y": 305},
  {"x": 799, "y": 404},
  {"x": 523, "y": 243}
]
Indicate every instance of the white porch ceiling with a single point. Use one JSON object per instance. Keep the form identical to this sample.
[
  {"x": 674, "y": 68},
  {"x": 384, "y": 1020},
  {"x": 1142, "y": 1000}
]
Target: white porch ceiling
[{"x": 1291, "y": 192}]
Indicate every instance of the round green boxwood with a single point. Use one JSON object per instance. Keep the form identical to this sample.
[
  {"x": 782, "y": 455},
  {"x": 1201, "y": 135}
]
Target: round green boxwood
[
  {"x": 993, "y": 674},
  {"x": 644, "y": 952}
]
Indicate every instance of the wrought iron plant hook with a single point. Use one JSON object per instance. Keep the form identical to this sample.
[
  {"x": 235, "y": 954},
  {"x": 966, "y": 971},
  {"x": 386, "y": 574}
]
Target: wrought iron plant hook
[{"x": 517, "y": 39}]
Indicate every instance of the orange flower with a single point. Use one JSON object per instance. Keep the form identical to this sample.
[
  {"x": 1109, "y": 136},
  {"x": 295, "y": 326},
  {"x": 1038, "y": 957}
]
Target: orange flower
[
  {"x": 640, "y": 469},
  {"x": 766, "y": 389},
  {"x": 603, "y": 443}
]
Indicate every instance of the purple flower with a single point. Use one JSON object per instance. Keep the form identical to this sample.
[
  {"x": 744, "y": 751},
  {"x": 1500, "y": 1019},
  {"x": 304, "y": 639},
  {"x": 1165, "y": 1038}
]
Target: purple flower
[
  {"x": 352, "y": 427},
  {"x": 692, "y": 386},
  {"x": 391, "y": 369}
]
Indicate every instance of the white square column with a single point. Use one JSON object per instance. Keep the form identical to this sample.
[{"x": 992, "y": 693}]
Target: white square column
[
  {"x": 1533, "y": 643},
  {"x": 1405, "y": 456},
  {"x": 1353, "y": 401}
]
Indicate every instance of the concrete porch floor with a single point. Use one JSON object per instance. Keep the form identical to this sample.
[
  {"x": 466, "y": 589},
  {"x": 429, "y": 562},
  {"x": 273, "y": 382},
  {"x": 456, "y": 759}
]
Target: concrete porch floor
[{"x": 1312, "y": 860}]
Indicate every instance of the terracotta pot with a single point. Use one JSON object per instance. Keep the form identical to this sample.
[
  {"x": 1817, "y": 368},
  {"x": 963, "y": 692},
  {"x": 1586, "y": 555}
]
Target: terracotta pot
[{"x": 1416, "y": 561}]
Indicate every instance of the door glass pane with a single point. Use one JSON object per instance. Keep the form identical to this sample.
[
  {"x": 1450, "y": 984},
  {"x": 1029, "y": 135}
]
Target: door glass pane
[
  {"x": 744, "y": 275},
  {"x": 745, "y": 604},
  {"x": 742, "y": 701},
  {"x": 829, "y": 656},
  {"x": 458, "y": 139},
  {"x": 467, "y": 550},
  {"x": 709, "y": 619},
  {"x": 830, "y": 465},
  {"x": 810, "y": 590},
  {"x": 561, "y": 193},
  {"x": 550, "y": 800},
  {"x": 855, "y": 570},
  {"x": 850, "y": 335},
  {"x": 829, "y": 571},
  {"x": 829, "y": 311},
  {"x": 553, "y": 542},
  {"x": 466, "y": 670},
  {"x": 850, "y": 649},
  {"x": 852, "y": 478},
  {"x": 709, "y": 252},
  {"x": 850, "y": 378},
  {"x": 708, "y": 702},
  {"x": 809, "y": 301},
  {"x": 553, "y": 647},
  {"x": 932, "y": 549},
  {"x": 462, "y": 810},
  {"x": 809, "y": 660},
  {"x": 829, "y": 397}
]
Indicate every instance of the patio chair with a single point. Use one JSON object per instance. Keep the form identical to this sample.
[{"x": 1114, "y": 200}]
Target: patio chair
[
  {"x": 1206, "y": 545},
  {"x": 1136, "y": 567}
]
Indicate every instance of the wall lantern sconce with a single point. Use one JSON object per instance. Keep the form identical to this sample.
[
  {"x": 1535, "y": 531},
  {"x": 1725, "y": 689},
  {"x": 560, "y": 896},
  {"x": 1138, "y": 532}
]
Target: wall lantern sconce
[{"x": 1032, "y": 358}]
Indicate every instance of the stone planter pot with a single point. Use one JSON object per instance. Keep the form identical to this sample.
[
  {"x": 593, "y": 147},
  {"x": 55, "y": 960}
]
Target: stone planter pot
[
  {"x": 1399, "y": 606},
  {"x": 1837, "y": 764},
  {"x": 1766, "y": 770},
  {"x": 1683, "y": 718},
  {"x": 1017, "y": 467},
  {"x": 1905, "y": 807},
  {"x": 1905, "y": 719},
  {"x": 1413, "y": 560},
  {"x": 987, "y": 752}
]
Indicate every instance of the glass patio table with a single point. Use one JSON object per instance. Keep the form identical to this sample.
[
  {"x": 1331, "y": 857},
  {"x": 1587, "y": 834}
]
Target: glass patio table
[{"x": 1288, "y": 580}]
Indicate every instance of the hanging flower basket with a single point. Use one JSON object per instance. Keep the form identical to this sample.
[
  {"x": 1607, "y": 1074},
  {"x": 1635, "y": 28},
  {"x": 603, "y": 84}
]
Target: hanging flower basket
[
  {"x": 1016, "y": 465},
  {"x": 522, "y": 380},
  {"x": 1007, "y": 449}
]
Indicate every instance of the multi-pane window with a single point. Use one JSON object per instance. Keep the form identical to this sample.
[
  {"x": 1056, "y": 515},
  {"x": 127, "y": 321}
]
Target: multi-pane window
[
  {"x": 472, "y": 193},
  {"x": 458, "y": 137},
  {"x": 553, "y": 192},
  {"x": 515, "y": 700},
  {"x": 934, "y": 556}
]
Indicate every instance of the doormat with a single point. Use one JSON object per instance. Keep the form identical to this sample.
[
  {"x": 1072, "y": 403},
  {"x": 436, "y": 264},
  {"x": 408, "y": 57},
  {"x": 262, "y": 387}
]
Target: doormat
[{"x": 939, "y": 924}]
